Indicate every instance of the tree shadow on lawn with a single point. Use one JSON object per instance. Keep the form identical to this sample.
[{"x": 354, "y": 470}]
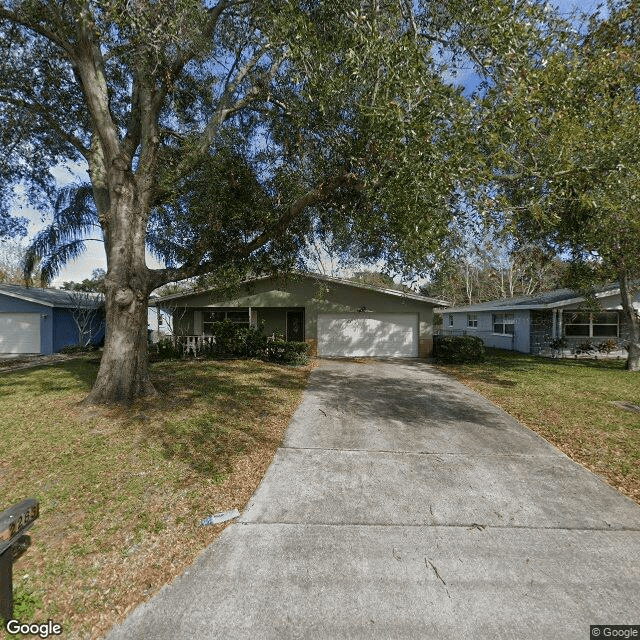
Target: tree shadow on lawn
[
  {"x": 71, "y": 375},
  {"x": 206, "y": 413},
  {"x": 491, "y": 378},
  {"x": 205, "y": 443},
  {"x": 211, "y": 413}
]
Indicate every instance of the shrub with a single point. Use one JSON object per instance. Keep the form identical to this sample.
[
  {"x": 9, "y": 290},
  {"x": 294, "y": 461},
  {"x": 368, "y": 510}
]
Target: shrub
[
  {"x": 72, "y": 349},
  {"x": 608, "y": 346},
  {"x": 558, "y": 344},
  {"x": 458, "y": 349},
  {"x": 237, "y": 341},
  {"x": 167, "y": 348},
  {"x": 287, "y": 352},
  {"x": 585, "y": 347}
]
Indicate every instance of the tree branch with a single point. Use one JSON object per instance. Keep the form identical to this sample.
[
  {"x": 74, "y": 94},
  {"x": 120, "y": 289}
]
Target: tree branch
[
  {"x": 226, "y": 109},
  {"x": 40, "y": 29},
  {"x": 89, "y": 63},
  {"x": 196, "y": 267},
  {"x": 42, "y": 111},
  {"x": 183, "y": 58}
]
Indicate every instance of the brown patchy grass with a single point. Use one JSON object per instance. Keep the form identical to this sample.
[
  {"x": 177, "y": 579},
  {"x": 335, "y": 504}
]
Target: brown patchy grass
[
  {"x": 122, "y": 493},
  {"x": 570, "y": 403}
]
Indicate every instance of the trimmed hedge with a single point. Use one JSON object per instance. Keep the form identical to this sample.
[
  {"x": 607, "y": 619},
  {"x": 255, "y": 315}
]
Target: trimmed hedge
[
  {"x": 458, "y": 349},
  {"x": 287, "y": 352}
]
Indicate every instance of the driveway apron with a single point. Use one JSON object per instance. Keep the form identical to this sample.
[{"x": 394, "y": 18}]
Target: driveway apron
[{"x": 403, "y": 505}]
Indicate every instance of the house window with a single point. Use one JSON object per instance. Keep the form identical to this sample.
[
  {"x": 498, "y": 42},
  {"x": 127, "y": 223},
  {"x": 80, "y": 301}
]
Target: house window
[
  {"x": 591, "y": 325},
  {"x": 472, "y": 320},
  {"x": 451, "y": 320},
  {"x": 504, "y": 323},
  {"x": 209, "y": 318}
]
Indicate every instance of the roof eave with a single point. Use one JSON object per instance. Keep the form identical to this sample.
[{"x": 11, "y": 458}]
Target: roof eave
[{"x": 12, "y": 294}]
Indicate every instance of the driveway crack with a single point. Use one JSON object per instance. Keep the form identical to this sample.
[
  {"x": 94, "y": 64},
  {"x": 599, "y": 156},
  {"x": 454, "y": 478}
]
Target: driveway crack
[{"x": 428, "y": 563}]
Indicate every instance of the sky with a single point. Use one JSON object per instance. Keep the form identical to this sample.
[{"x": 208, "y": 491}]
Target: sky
[{"x": 94, "y": 256}]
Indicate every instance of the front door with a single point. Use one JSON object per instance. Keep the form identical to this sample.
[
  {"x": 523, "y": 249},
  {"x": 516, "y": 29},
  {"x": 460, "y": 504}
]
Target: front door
[{"x": 295, "y": 326}]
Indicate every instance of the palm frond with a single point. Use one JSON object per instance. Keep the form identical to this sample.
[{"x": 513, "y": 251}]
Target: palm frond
[
  {"x": 74, "y": 218},
  {"x": 54, "y": 262}
]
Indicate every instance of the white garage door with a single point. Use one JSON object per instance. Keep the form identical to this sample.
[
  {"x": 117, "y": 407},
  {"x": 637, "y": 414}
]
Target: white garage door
[
  {"x": 393, "y": 335},
  {"x": 19, "y": 333}
]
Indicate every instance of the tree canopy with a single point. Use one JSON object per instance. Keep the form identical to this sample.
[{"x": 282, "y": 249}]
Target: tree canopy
[
  {"x": 228, "y": 134},
  {"x": 565, "y": 133}
]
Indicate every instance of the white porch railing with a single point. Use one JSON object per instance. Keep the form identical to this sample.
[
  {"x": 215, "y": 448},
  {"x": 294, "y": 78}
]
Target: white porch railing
[{"x": 194, "y": 344}]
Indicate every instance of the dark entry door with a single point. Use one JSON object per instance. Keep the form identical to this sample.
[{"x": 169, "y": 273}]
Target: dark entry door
[{"x": 295, "y": 326}]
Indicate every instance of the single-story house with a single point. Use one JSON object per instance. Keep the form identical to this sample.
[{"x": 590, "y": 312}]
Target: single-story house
[
  {"x": 532, "y": 324},
  {"x": 43, "y": 321},
  {"x": 336, "y": 317}
]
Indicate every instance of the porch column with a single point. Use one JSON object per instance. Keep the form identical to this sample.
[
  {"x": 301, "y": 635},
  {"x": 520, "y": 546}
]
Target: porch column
[
  {"x": 198, "y": 329},
  {"x": 554, "y": 324},
  {"x": 253, "y": 318},
  {"x": 559, "y": 323}
]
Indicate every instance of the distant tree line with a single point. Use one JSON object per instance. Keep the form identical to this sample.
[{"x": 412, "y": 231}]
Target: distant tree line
[{"x": 490, "y": 272}]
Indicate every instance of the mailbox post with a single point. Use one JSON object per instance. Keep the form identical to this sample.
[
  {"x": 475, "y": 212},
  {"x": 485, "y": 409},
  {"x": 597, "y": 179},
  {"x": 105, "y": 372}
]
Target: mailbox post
[{"x": 14, "y": 522}]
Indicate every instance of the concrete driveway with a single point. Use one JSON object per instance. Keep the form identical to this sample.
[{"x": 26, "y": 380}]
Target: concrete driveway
[{"x": 403, "y": 505}]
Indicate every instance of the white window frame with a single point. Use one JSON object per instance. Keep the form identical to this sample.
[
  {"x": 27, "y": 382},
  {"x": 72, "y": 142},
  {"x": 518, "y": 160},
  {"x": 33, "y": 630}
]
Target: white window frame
[
  {"x": 591, "y": 324},
  {"x": 472, "y": 320},
  {"x": 226, "y": 313},
  {"x": 451, "y": 319},
  {"x": 502, "y": 319}
]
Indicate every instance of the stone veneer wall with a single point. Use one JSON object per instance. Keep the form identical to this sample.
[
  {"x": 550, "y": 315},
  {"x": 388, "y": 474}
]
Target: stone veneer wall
[
  {"x": 542, "y": 326},
  {"x": 540, "y": 332}
]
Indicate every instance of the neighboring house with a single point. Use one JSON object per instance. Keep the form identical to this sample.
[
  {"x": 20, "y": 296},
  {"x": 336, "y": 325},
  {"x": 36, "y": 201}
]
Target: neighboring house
[
  {"x": 41, "y": 321},
  {"x": 531, "y": 324},
  {"x": 336, "y": 317}
]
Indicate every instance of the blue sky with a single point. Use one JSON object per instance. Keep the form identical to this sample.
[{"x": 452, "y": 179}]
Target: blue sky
[{"x": 94, "y": 257}]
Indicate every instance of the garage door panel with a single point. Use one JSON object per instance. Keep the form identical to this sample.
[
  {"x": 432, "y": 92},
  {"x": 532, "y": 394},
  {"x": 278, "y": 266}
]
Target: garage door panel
[
  {"x": 381, "y": 335},
  {"x": 19, "y": 333}
]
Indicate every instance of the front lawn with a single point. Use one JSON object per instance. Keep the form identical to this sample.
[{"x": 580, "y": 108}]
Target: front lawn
[
  {"x": 571, "y": 404},
  {"x": 122, "y": 493}
]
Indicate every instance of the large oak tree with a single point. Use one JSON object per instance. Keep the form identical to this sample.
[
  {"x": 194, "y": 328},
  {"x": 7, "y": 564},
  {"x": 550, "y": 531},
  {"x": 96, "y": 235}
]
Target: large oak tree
[{"x": 224, "y": 131}]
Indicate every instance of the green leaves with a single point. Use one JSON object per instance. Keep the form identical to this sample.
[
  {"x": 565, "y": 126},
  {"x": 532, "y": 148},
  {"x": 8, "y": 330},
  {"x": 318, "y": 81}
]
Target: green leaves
[{"x": 567, "y": 164}]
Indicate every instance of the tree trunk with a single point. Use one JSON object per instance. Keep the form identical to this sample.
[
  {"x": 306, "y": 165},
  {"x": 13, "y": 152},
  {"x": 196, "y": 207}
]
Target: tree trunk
[
  {"x": 633, "y": 322},
  {"x": 633, "y": 360},
  {"x": 123, "y": 376}
]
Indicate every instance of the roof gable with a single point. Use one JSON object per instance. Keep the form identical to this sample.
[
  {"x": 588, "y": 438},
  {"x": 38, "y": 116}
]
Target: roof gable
[{"x": 316, "y": 277}]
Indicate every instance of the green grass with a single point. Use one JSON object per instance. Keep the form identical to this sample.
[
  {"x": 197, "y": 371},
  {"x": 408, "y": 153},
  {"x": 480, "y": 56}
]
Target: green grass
[
  {"x": 122, "y": 493},
  {"x": 570, "y": 403}
]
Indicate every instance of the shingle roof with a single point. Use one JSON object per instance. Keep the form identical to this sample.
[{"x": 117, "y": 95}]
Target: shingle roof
[
  {"x": 51, "y": 297},
  {"x": 317, "y": 276},
  {"x": 547, "y": 299}
]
